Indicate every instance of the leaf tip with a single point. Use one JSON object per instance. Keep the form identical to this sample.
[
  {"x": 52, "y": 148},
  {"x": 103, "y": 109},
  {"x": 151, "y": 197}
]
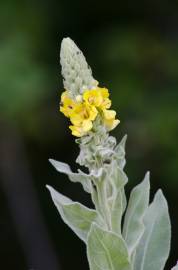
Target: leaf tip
[
  {"x": 49, "y": 188},
  {"x": 159, "y": 195},
  {"x": 147, "y": 178},
  {"x": 160, "y": 198},
  {"x": 51, "y": 161},
  {"x": 124, "y": 139}
]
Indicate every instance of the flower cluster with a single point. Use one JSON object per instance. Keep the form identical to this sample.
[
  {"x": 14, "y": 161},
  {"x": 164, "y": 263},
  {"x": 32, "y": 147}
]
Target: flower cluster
[{"x": 84, "y": 109}]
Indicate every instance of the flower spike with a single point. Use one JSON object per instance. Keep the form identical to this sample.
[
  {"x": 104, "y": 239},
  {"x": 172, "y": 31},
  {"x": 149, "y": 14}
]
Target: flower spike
[{"x": 83, "y": 100}]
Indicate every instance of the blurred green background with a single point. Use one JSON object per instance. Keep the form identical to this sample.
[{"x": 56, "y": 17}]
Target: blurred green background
[{"x": 132, "y": 48}]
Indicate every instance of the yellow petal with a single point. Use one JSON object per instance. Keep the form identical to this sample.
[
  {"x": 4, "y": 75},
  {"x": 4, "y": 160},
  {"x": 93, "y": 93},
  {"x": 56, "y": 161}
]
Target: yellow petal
[
  {"x": 83, "y": 112},
  {"x": 106, "y": 104},
  {"x": 67, "y": 104},
  {"x": 115, "y": 123},
  {"x": 92, "y": 97},
  {"x": 76, "y": 120},
  {"x": 109, "y": 114},
  {"x": 64, "y": 96},
  {"x": 76, "y": 131},
  {"x": 87, "y": 125},
  {"x": 93, "y": 113},
  {"x": 104, "y": 92},
  {"x": 111, "y": 124}
]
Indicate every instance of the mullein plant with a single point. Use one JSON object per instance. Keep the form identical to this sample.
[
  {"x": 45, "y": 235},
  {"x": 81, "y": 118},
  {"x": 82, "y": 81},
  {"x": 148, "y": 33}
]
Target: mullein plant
[{"x": 118, "y": 235}]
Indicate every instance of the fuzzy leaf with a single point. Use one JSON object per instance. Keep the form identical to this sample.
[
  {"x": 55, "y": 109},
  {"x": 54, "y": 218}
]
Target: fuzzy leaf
[
  {"x": 120, "y": 152},
  {"x": 138, "y": 203},
  {"x": 153, "y": 249},
  {"x": 80, "y": 177},
  {"x": 106, "y": 250},
  {"x": 116, "y": 213},
  {"x": 124, "y": 200},
  {"x": 117, "y": 176},
  {"x": 75, "y": 215},
  {"x": 117, "y": 180}
]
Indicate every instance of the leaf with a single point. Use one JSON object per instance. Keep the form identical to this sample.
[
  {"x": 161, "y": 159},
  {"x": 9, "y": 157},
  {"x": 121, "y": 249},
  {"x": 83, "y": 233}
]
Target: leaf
[
  {"x": 153, "y": 249},
  {"x": 120, "y": 152},
  {"x": 75, "y": 215},
  {"x": 106, "y": 250},
  {"x": 124, "y": 200},
  {"x": 117, "y": 176},
  {"x": 80, "y": 177},
  {"x": 116, "y": 213},
  {"x": 138, "y": 203},
  {"x": 116, "y": 180}
]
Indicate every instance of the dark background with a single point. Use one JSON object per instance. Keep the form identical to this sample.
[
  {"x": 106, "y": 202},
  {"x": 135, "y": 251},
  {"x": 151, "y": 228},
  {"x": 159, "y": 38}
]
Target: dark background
[{"x": 132, "y": 47}]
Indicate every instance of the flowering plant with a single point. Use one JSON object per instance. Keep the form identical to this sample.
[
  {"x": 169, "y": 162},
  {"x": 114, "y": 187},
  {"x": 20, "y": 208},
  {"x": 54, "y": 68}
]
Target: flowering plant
[{"x": 118, "y": 235}]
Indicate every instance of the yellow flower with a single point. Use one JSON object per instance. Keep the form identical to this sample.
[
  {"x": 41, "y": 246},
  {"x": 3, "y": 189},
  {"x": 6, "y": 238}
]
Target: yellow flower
[
  {"x": 81, "y": 118},
  {"x": 106, "y": 103},
  {"x": 109, "y": 119},
  {"x": 97, "y": 97},
  {"x": 83, "y": 112},
  {"x": 76, "y": 131},
  {"x": 93, "y": 97},
  {"x": 67, "y": 105},
  {"x": 82, "y": 129}
]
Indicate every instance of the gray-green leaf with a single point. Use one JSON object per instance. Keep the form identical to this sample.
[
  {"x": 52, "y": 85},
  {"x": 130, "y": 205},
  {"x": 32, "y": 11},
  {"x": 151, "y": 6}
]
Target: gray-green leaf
[
  {"x": 116, "y": 213},
  {"x": 79, "y": 177},
  {"x": 153, "y": 249},
  {"x": 116, "y": 180},
  {"x": 75, "y": 215},
  {"x": 120, "y": 152},
  {"x": 106, "y": 250},
  {"x": 138, "y": 203},
  {"x": 117, "y": 176}
]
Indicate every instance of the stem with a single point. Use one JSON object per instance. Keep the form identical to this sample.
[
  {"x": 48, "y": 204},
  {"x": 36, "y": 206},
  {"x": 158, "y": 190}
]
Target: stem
[{"x": 102, "y": 199}]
